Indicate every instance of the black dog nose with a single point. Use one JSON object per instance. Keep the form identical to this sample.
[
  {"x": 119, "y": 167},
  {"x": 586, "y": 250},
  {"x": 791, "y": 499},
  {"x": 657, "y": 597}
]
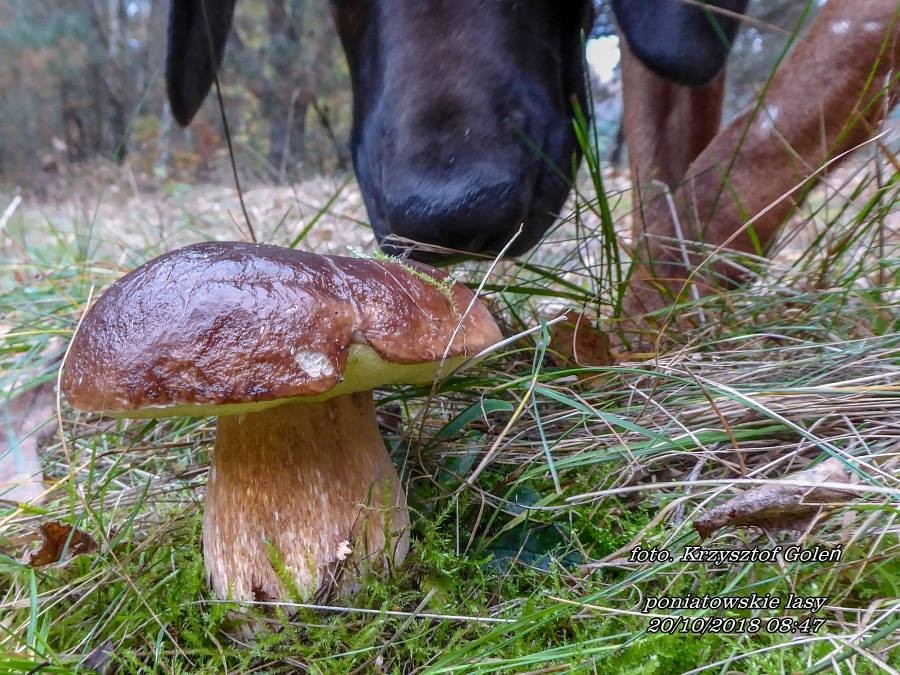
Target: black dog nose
[{"x": 470, "y": 213}]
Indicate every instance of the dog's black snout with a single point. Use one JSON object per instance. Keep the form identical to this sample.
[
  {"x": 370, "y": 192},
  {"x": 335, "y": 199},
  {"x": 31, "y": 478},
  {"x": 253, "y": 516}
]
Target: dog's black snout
[{"x": 471, "y": 213}]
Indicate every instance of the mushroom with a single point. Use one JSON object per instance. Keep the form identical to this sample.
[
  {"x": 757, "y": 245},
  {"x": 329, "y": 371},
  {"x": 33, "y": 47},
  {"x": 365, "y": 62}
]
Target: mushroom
[{"x": 284, "y": 347}]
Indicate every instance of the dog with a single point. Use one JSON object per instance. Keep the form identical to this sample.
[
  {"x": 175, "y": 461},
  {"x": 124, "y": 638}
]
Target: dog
[{"x": 463, "y": 118}]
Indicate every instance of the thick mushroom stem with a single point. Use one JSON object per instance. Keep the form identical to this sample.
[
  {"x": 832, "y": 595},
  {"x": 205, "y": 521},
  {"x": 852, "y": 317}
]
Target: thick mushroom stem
[{"x": 290, "y": 488}]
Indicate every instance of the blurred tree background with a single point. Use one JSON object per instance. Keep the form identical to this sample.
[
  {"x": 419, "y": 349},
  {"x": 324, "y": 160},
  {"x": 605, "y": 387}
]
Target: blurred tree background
[{"x": 82, "y": 81}]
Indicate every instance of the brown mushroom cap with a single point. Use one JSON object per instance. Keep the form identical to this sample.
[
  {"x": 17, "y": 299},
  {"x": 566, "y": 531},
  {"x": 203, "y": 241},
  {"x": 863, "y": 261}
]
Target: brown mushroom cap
[{"x": 229, "y": 327}]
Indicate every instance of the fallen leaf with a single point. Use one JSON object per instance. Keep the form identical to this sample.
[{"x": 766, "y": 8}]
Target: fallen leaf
[
  {"x": 575, "y": 341},
  {"x": 56, "y": 535},
  {"x": 781, "y": 506}
]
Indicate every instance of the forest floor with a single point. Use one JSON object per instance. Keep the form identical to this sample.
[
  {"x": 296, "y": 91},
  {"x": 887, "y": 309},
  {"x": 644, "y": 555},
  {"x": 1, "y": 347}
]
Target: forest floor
[{"x": 528, "y": 567}]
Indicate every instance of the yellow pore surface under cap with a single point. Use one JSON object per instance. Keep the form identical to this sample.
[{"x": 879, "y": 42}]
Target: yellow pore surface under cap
[{"x": 365, "y": 370}]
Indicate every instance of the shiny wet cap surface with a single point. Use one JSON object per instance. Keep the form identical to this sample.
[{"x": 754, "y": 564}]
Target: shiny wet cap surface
[{"x": 228, "y": 322}]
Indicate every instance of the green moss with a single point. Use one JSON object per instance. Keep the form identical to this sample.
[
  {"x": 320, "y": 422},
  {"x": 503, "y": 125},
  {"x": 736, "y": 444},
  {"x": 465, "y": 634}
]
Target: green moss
[{"x": 444, "y": 286}]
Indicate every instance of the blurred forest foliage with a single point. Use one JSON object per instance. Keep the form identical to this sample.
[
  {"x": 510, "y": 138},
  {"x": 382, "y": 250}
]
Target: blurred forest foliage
[{"x": 82, "y": 80}]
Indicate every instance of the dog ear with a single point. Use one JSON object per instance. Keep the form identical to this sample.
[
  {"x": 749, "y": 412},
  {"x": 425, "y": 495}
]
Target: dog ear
[
  {"x": 198, "y": 31},
  {"x": 685, "y": 42}
]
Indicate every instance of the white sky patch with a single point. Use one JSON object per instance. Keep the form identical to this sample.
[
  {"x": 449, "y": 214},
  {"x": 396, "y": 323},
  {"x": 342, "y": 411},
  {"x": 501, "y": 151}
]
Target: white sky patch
[
  {"x": 603, "y": 56},
  {"x": 757, "y": 45}
]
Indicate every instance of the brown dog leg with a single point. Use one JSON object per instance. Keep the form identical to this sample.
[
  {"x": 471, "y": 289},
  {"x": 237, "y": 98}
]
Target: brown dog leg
[
  {"x": 667, "y": 125},
  {"x": 833, "y": 89}
]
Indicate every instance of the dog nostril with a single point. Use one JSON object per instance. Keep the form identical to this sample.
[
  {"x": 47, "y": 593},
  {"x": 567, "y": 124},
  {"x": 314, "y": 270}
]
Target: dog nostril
[{"x": 456, "y": 215}]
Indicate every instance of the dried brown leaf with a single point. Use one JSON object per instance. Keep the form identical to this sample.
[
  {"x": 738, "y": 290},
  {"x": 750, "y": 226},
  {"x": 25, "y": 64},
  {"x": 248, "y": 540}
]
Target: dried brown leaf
[
  {"x": 55, "y": 536},
  {"x": 575, "y": 341},
  {"x": 780, "y": 506}
]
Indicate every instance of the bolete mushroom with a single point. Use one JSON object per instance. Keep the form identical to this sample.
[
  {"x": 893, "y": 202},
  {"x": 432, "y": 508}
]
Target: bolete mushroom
[{"x": 284, "y": 347}]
